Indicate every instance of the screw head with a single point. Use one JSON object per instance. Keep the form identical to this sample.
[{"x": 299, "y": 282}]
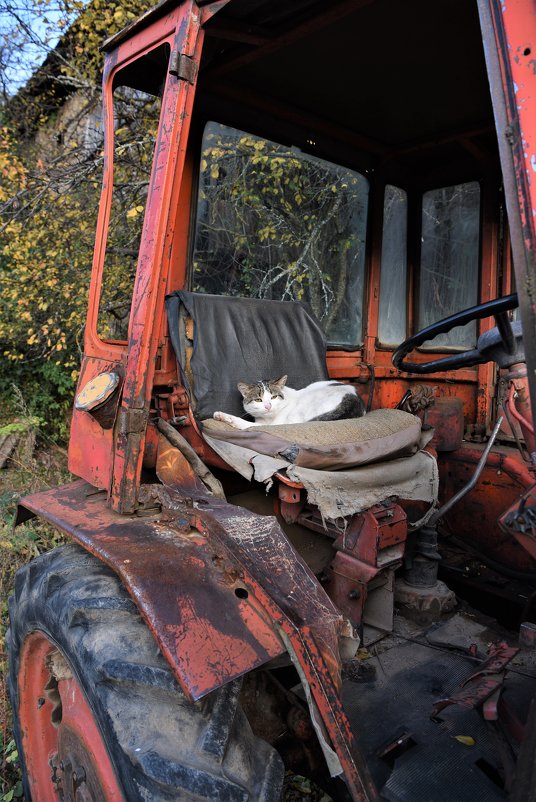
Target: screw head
[{"x": 79, "y": 775}]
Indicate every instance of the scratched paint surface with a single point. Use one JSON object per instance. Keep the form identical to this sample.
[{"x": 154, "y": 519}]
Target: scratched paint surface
[{"x": 206, "y": 632}]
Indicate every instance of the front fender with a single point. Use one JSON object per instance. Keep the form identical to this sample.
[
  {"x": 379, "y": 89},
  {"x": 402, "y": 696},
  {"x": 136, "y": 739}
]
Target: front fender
[
  {"x": 189, "y": 596},
  {"x": 223, "y": 592}
]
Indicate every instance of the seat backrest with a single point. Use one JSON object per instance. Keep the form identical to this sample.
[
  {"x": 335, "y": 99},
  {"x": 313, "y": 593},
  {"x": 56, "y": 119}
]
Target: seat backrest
[{"x": 241, "y": 339}]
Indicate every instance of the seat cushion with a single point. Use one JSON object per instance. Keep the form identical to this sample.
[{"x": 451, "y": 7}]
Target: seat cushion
[{"x": 383, "y": 434}]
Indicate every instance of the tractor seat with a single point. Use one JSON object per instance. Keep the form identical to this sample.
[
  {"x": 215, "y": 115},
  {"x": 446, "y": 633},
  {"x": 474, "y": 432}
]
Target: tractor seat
[
  {"x": 220, "y": 341},
  {"x": 346, "y": 465},
  {"x": 383, "y": 434}
]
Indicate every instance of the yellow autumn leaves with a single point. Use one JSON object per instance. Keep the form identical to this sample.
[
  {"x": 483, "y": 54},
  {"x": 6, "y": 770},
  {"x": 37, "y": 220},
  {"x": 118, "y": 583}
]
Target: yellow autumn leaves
[
  {"x": 135, "y": 211},
  {"x": 48, "y": 207}
]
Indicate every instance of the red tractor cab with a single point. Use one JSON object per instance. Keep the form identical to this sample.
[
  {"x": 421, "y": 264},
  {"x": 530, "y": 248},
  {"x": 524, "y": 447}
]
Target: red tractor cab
[{"x": 328, "y": 191}]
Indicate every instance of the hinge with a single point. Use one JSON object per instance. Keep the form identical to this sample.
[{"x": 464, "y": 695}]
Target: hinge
[
  {"x": 131, "y": 421},
  {"x": 184, "y": 67}
]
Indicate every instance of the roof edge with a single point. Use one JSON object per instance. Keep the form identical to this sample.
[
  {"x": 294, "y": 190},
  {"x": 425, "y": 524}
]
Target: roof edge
[{"x": 146, "y": 19}]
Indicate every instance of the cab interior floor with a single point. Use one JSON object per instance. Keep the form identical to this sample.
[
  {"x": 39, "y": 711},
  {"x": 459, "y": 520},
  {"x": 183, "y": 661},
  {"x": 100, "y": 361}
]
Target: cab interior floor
[
  {"x": 392, "y": 699},
  {"x": 408, "y": 670}
]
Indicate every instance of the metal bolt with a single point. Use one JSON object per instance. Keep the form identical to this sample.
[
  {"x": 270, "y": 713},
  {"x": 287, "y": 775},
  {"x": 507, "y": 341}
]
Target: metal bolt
[
  {"x": 354, "y": 594},
  {"x": 79, "y": 775}
]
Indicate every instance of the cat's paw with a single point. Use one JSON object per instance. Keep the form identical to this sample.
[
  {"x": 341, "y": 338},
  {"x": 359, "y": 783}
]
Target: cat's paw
[
  {"x": 223, "y": 416},
  {"x": 232, "y": 420}
]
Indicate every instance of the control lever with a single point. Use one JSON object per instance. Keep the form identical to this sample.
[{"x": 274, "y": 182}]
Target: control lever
[
  {"x": 423, "y": 560},
  {"x": 438, "y": 514}
]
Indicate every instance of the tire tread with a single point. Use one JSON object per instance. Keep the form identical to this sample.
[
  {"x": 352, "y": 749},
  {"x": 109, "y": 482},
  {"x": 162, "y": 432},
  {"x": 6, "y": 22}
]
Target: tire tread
[{"x": 163, "y": 747}]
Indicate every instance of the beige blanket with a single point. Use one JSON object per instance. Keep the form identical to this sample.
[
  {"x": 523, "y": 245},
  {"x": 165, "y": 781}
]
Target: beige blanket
[{"x": 342, "y": 493}]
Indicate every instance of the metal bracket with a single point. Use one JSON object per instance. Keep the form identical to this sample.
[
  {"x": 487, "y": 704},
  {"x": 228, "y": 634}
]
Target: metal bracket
[
  {"x": 131, "y": 421},
  {"x": 184, "y": 67}
]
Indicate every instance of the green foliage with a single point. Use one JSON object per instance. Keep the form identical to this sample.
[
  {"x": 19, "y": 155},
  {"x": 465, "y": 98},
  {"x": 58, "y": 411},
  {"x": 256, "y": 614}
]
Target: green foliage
[
  {"x": 27, "y": 474},
  {"x": 50, "y": 180},
  {"x": 18, "y": 427},
  {"x": 11, "y": 772}
]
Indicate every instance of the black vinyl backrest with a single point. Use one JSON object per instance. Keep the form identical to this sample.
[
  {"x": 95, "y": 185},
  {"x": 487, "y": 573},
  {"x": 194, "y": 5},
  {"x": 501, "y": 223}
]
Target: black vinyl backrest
[{"x": 243, "y": 339}]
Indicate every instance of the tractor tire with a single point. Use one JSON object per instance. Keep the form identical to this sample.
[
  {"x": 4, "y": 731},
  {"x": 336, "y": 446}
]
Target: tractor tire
[{"x": 98, "y": 716}]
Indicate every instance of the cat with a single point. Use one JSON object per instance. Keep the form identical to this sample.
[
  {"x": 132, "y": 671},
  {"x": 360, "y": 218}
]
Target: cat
[{"x": 271, "y": 402}]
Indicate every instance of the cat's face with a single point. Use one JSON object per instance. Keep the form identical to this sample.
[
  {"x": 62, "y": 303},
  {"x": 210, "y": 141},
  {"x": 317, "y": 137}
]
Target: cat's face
[{"x": 263, "y": 398}]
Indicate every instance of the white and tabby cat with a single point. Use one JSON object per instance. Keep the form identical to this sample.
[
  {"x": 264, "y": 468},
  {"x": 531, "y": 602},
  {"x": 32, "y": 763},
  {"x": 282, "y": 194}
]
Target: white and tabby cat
[{"x": 274, "y": 403}]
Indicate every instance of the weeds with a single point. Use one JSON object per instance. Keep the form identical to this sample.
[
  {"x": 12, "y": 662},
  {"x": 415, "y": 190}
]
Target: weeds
[
  {"x": 26, "y": 472},
  {"x": 10, "y": 761}
]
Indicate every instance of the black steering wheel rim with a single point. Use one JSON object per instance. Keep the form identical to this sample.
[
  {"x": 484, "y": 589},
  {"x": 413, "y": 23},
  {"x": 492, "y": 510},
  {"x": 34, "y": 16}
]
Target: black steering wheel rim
[{"x": 465, "y": 359}]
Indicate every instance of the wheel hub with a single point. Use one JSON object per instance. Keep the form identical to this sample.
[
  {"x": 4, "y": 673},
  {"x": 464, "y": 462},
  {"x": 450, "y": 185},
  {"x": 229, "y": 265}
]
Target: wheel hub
[
  {"x": 65, "y": 754},
  {"x": 73, "y": 773}
]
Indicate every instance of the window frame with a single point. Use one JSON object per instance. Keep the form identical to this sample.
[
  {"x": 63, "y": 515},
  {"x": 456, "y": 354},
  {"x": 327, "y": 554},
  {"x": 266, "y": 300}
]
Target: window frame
[
  {"x": 415, "y": 195},
  {"x": 94, "y": 343}
]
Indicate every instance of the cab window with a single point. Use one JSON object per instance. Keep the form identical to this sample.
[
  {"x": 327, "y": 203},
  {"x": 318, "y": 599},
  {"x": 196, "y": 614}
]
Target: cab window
[
  {"x": 137, "y": 92},
  {"x": 276, "y": 223},
  {"x": 393, "y": 277},
  {"x": 446, "y": 273},
  {"x": 450, "y": 259}
]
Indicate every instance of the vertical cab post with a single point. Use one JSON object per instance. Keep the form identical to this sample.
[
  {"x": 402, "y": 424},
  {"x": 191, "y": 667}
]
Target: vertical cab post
[
  {"x": 509, "y": 36},
  {"x": 153, "y": 262},
  {"x": 111, "y": 458}
]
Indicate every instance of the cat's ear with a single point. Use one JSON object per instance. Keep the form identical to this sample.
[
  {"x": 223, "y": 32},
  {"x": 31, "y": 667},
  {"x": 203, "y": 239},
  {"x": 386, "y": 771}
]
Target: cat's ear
[
  {"x": 280, "y": 382},
  {"x": 243, "y": 388}
]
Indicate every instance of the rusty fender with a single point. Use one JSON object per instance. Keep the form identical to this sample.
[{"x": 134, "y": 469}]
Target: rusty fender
[{"x": 223, "y": 592}]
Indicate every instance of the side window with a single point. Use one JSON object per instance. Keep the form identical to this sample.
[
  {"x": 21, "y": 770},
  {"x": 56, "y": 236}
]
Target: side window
[
  {"x": 137, "y": 91},
  {"x": 450, "y": 259},
  {"x": 273, "y": 222},
  {"x": 393, "y": 277}
]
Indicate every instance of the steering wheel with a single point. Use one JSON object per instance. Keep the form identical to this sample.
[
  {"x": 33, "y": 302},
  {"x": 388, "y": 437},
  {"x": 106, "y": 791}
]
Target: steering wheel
[{"x": 502, "y": 344}]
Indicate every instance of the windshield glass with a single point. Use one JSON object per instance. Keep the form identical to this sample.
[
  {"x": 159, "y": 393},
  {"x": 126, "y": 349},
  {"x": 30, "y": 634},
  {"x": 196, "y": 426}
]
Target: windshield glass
[
  {"x": 276, "y": 223},
  {"x": 450, "y": 259}
]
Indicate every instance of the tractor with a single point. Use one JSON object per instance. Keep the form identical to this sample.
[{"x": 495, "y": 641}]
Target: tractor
[{"x": 339, "y": 190}]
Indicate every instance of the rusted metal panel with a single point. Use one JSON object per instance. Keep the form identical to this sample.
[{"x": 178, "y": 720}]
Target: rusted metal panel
[
  {"x": 171, "y": 467},
  {"x": 181, "y": 583},
  {"x": 483, "y": 683},
  {"x": 91, "y": 445},
  {"x": 230, "y": 544},
  {"x": 372, "y": 543},
  {"x": 309, "y": 622},
  {"x": 504, "y": 478},
  {"x": 446, "y": 416},
  {"x": 153, "y": 263}
]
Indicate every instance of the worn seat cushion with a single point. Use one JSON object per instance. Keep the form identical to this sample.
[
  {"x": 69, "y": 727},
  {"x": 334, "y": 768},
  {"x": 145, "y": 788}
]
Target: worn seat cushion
[{"x": 383, "y": 434}]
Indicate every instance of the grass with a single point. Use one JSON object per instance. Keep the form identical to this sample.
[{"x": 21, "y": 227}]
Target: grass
[{"x": 27, "y": 472}]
